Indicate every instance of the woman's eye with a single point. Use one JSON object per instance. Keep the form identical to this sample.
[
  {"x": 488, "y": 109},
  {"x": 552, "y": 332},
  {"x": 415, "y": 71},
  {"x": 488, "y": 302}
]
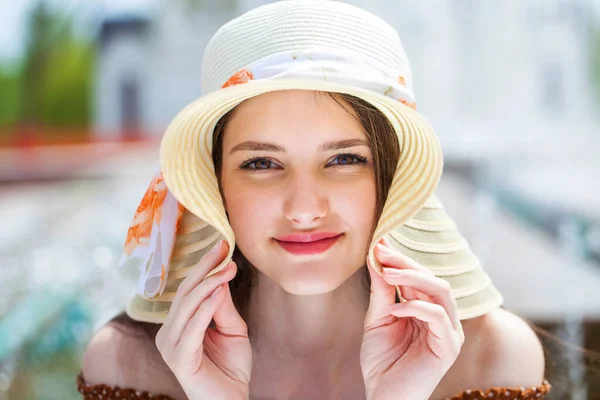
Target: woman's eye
[
  {"x": 348, "y": 159},
  {"x": 263, "y": 164},
  {"x": 257, "y": 164}
]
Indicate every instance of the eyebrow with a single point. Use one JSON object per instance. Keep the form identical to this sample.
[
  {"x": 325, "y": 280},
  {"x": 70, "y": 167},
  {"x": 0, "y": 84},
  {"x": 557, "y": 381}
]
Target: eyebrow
[
  {"x": 257, "y": 146},
  {"x": 343, "y": 144},
  {"x": 327, "y": 146}
]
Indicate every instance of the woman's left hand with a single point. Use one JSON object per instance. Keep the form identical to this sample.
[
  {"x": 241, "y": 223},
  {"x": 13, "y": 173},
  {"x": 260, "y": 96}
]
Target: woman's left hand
[{"x": 408, "y": 348}]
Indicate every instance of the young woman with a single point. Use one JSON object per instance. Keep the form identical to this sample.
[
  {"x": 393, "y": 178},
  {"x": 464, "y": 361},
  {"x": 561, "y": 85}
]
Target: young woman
[{"x": 333, "y": 270}]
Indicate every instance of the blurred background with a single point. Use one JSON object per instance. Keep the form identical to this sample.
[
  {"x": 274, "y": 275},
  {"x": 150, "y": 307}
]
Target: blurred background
[{"x": 512, "y": 88}]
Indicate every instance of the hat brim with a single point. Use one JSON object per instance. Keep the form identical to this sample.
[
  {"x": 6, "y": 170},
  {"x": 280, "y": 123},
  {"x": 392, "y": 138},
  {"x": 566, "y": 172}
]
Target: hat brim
[{"x": 186, "y": 164}]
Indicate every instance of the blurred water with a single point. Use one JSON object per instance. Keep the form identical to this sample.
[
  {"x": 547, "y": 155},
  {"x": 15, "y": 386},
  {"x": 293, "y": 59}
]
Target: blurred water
[{"x": 60, "y": 245}]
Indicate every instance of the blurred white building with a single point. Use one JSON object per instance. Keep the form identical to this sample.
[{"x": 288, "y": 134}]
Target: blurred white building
[{"x": 488, "y": 75}]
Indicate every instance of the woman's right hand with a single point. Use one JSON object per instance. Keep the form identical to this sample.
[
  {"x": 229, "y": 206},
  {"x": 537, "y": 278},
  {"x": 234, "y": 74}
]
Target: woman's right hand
[{"x": 208, "y": 363}]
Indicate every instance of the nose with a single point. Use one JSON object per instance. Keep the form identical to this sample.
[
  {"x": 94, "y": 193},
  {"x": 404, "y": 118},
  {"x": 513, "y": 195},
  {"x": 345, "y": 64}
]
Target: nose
[{"x": 306, "y": 201}]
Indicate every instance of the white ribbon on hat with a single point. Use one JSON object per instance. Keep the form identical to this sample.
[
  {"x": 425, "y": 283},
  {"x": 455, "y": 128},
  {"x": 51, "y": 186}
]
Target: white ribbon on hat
[
  {"x": 329, "y": 64},
  {"x": 151, "y": 236}
]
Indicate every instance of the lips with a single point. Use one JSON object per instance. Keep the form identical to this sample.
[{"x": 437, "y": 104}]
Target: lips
[{"x": 308, "y": 243}]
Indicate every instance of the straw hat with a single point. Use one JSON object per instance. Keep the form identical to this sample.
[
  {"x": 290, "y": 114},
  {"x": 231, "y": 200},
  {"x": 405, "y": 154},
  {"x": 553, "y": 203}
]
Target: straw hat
[{"x": 297, "y": 44}]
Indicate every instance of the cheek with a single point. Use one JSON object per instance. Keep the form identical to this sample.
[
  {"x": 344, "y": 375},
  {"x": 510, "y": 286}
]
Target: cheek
[
  {"x": 357, "y": 206},
  {"x": 249, "y": 209}
]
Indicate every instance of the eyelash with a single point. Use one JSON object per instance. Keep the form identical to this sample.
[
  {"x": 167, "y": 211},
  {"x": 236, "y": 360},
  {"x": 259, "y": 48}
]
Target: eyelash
[{"x": 358, "y": 159}]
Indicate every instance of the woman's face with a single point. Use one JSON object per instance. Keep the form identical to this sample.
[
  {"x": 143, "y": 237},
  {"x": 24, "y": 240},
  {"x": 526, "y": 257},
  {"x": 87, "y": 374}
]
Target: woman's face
[{"x": 299, "y": 187}]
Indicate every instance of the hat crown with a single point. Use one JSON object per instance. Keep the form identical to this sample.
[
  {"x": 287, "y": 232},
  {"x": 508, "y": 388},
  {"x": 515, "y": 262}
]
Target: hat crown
[{"x": 299, "y": 25}]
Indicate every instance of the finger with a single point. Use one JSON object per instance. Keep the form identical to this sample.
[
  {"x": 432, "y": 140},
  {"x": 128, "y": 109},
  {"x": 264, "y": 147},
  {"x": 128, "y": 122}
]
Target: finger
[
  {"x": 391, "y": 257},
  {"x": 388, "y": 255},
  {"x": 434, "y": 315},
  {"x": 227, "y": 319},
  {"x": 192, "y": 337},
  {"x": 382, "y": 295},
  {"x": 386, "y": 242},
  {"x": 438, "y": 290},
  {"x": 190, "y": 304},
  {"x": 197, "y": 275},
  {"x": 208, "y": 261},
  {"x": 407, "y": 293}
]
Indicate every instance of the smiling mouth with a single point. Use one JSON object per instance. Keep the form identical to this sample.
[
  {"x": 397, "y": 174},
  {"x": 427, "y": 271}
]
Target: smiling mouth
[{"x": 314, "y": 247}]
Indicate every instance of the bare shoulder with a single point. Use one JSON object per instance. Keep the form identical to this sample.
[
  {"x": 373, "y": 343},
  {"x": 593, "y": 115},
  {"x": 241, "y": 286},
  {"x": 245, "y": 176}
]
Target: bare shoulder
[
  {"x": 121, "y": 357},
  {"x": 505, "y": 350},
  {"x": 500, "y": 350}
]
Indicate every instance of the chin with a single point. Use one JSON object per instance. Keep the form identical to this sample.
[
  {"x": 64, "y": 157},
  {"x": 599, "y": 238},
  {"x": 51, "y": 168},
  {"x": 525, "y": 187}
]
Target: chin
[
  {"x": 311, "y": 280},
  {"x": 307, "y": 288}
]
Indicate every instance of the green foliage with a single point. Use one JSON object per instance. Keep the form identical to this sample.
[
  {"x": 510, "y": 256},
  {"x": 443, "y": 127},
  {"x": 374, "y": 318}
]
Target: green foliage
[
  {"x": 67, "y": 88},
  {"x": 53, "y": 83},
  {"x": 10, "y": 96}
]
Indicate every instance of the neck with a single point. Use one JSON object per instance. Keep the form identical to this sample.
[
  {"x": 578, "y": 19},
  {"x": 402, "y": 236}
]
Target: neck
[{"x": 310, "y": 330}]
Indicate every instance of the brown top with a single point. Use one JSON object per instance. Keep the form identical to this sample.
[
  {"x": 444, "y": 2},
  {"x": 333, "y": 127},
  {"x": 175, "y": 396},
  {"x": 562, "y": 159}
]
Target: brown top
[{"x": 104, "y": 392}]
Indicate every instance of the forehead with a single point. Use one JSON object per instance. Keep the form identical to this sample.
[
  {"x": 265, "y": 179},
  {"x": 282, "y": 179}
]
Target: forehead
[{"x": 288, "y": 114}]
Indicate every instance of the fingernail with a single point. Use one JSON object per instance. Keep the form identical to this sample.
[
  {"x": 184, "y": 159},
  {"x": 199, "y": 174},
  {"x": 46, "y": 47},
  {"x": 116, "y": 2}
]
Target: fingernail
[
  {"x": 384, "y": 249},
  {"x": 392, "y": 271},
  {"x": 217, "y": 247}
]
